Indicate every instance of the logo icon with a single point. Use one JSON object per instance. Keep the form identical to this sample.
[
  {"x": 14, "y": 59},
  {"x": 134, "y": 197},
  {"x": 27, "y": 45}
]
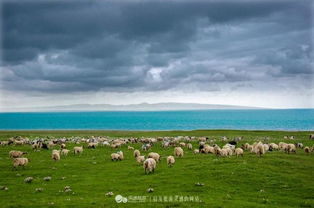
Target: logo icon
[{"x": 120, "y": 199}]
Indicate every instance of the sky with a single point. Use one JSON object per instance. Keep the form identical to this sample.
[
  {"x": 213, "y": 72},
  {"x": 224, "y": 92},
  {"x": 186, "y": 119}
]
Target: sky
[{"x": 249, "y": 53}]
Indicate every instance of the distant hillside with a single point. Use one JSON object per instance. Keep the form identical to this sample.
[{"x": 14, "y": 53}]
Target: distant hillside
[{"x": 131, "y": 107}]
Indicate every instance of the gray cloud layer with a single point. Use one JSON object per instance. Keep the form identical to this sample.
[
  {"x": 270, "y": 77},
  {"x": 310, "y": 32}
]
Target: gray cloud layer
[{"x": 62, "y": 47}]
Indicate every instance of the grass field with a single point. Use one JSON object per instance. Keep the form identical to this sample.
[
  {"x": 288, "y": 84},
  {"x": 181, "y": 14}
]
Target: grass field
[{"x": 274, "y": 180}]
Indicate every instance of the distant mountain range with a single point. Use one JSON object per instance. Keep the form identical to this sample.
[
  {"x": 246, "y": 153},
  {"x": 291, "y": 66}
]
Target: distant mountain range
[{"x": 131, "y": 107}]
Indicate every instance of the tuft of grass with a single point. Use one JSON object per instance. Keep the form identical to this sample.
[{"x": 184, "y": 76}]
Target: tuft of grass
[{"x": 274, "y": 180}]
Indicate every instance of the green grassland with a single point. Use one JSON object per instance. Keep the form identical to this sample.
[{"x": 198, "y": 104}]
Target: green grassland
[{"x": 276, "y": 179}]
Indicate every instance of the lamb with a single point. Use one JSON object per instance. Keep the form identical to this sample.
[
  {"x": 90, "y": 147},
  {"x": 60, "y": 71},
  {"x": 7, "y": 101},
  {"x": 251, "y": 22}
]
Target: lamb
[
  {"x": 178, "y": 152},
  {"x": 65, "y": 152},
  {"x": 22, "y": 161},
  {"x": 311, "y": 136},
  {"x": 136, "y": 153},
  {"x": 78, "y": 150},
  {"x": 189, "y": 146},
  {"x": 196, "y": 151},
  {"x": 154, "y": 155},
  {"x": 130, "y": 148},
  {"x": 16, "y": 154},
  {"x": 182, "y": 144},
  {"x": 170, "y": 161},
  {"x": 149, "y": 165},
  {"x": 63, "y": 146},
  {"x": 55, "y": 155},
  {"x": 140, "y": 159},
  {"x": 238, "y": 152}
]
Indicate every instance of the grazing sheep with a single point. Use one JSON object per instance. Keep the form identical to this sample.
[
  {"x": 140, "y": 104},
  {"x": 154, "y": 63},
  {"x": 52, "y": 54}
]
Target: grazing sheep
[
  {"x": 140, "y": 159},
  {"x": 63, "y": 146},
  {"x": 146, "y": 147},
  {"x": 130, "y": 148},
  {"x": 65, "y": 152},
  {"x": 115, "y": 157},
  {"x": 311, "y": 136},
  {"x": 16, "y": 154},
  {"x": 154, "y": 155},
  {"x": 307, "y": 149},
  {"x": 189, "y": 146},
  {"x": 178, "y": 152},
  {"x": 120, "y": 153},
  {"x": 299, "y": 145},
  {"x": 238, "y": 152},
  {"x": 290, "y": 148},
  {"x": 78, "y": 150},
  {"x": 182, "y": 144},
  {"x": 20, "y": 162},
  {"x": 170, "y": 161},
  {"x": 223, "y": 152},
  {"x": 136, "y": 153},
  {"x": 259, "y": 149},
  {"x": 282, "y": 145},
  {"x": 273, "y": 146},
  {"x": 266, "y": 147},
  {"x": 92, "y": 145},
  {"x": 149, "y": 165},
  {"x": 55, "y": 155},
  {"x": 196, "y": 151},
  {"x": 208, "y": 149}
]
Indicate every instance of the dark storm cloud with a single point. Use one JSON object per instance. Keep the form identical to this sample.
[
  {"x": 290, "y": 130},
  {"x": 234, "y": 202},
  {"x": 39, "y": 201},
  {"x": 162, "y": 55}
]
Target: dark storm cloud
[{"x": 122, "y": 46}]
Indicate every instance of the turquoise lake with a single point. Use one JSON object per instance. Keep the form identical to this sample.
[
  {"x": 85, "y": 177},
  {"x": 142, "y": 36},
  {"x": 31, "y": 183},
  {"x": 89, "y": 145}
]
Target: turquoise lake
[{"x": 290, "y": 119}]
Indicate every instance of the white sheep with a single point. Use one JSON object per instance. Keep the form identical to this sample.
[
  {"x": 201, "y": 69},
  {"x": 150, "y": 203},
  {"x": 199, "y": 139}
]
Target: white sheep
[
  {"x": 65, "y": 152},
  {"x": 20, "y": 162},
  {"x": 189, "y": 146},
  {"x": 170, "y": 161},
  {"x": 182, "y": 144},
  {"x": 289, "y": 148},
  {"x": 115, "y": 157},
  {"x": 307, "y": 149},
  {"x": 259, "y": 149},
  {"x": 130, "y": 148},
  {"x": 140, "y": 159},
  {"x": 273, "y": 146},
  {"x": 154, "y": 155},
  {"x": 208, "y": 149},
  {"x": 16, "y": 154},
  {"x": 178, "y": 152},
  {"x": 92, "y": 145},
  {"x": 196, "y": 151},
  {"x": 120, "y": 153},
  {"x": 149, "y": 165},
  {"x": 136, "y": 153},
  {"x": 55, "y": 155},
  {"x": 78, "y": 150},
  {"x": 238, "y": 152}
]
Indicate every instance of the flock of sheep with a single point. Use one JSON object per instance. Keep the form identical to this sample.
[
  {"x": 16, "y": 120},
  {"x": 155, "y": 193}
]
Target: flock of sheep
[{"x": 205, "y": 146}]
